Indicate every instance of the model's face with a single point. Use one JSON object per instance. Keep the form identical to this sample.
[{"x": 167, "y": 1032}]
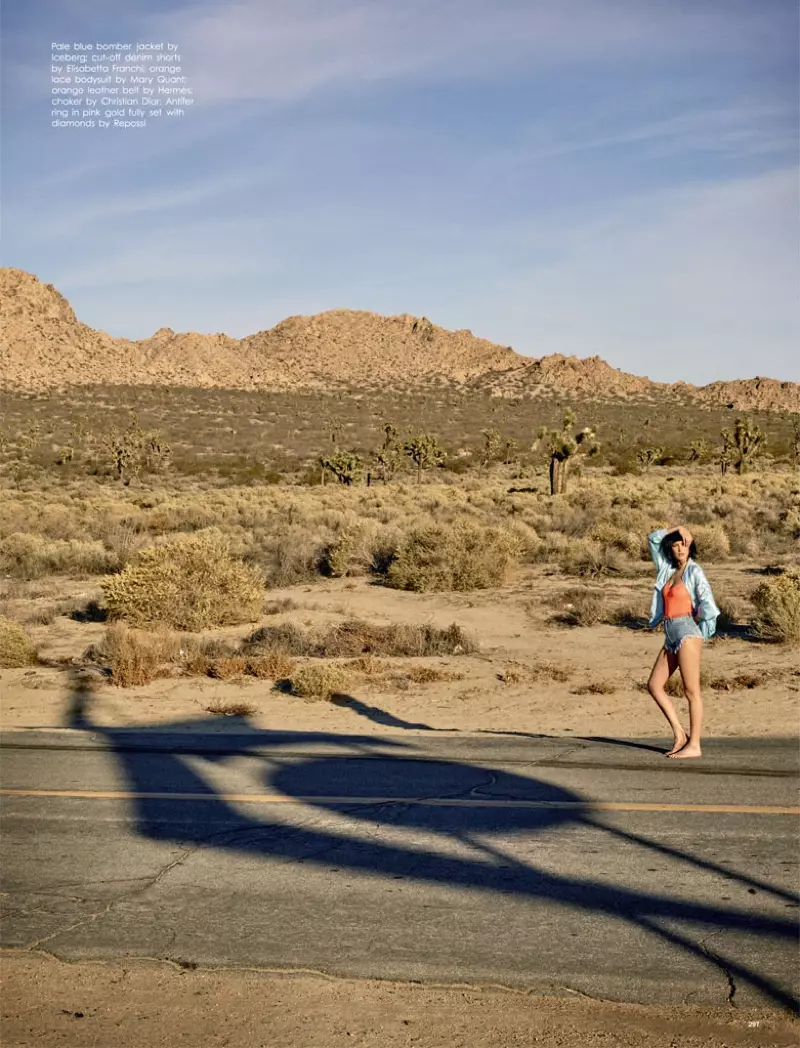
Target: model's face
[{"x": 680, "y": 551}]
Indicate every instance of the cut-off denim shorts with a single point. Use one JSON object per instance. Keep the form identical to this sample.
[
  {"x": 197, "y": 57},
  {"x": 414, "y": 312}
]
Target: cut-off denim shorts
[{"x": 677, "y": 630}]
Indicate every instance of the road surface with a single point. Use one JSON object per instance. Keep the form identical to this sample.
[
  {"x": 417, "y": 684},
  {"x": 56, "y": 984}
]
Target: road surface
[{"x": 563, "y": 865}]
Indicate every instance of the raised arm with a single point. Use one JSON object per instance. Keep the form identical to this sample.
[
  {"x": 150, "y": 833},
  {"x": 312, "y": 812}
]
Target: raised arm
[{"x": 656, "y": 537}]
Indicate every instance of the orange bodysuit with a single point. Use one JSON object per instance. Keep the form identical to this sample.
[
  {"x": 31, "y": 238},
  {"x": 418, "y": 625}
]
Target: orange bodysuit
[{"x": 677, "y": 602}]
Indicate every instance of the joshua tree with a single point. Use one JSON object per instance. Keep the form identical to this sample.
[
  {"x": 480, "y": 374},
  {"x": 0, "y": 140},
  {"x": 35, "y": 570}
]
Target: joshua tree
[
  {"x": 564, "y": 445},
  {"x": 748, "y": 441},
  {"x": 132, "y": 449},
  {"x": 698, "y": 450},
  {"x": 345, "y": 466},
  {"x": 424, "y": 451},
  {"x": 726, "y": 451},
  {"x": 509, "y": 450},
  {"x": 649, "y": 456},
  {"x": 491, "y": 445},
  {"x": 794, "y": 445},
  {"x": 389, "y": 453}
]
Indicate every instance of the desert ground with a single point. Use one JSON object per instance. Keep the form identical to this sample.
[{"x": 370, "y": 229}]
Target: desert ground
[
  {"x": 472, "y": 602},
  {"x": 547, "y": 626}
]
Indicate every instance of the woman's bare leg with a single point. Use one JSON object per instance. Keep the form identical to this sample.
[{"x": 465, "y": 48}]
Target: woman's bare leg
[
  {"x": 665, "y": 666},
  {"x": 689, "y": 664}
]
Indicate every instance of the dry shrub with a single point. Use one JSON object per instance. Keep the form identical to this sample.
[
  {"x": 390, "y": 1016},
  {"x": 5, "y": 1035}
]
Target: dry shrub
[
  {"x": 272, "y": 666},
  {"x": 777, "y": 604},
  {"x": 429, "y": 675},
  {"x": 135, "y": 657},
  {"x": 549, "y": 671},
  {"x": 590, "y": 560},
  {"x": 317, "y": 681},
  {"x": 283, "y": 639},
  {"x": 355, "y": 637},
  {"x": 596, "y": 687},
  {"x": 228, "y": 667},
  {"x": 739, "y": 682},
  {"x": 628, "y": 617},
  {"x": 16, "y": 647},
  {"x": 511, "y": 675},
  {"x": 292, "y": 557},
  {"x": 464, "y": 556},
  {"x": 27, "y": 556},
  {"x": 369, "y": 666},
  {"x": 337, "y": 557},
  {"x": 611, "y": 535},
  {"x": 583, "y": 607},
  {"x": 189, "y": 583},
  {"x": 231, "y": 709},
  {"x": 41, "y": 617},
  {"x": 712, "y": 541}
]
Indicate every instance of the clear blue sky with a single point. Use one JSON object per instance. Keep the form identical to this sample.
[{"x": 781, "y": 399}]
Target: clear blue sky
[{"x": 612, "y": 177}]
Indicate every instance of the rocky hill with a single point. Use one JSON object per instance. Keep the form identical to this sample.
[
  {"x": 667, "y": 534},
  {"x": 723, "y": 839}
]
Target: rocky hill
[{"x": 45, "y": 346}]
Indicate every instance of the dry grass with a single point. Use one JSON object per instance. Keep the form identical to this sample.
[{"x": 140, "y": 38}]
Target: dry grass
[
  {"x": 188, "y": 583},
  {"x": 583, "y": 607},
  {"x": 777, "y": 604},
  {"x": 535, "y": 673},
  {"x": 16, "y": 647},
  {"x": 134, "y": 657}
]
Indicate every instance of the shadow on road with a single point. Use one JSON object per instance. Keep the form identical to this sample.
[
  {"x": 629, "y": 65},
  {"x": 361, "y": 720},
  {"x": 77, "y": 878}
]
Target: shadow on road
[{"x": 202, "y": 817}]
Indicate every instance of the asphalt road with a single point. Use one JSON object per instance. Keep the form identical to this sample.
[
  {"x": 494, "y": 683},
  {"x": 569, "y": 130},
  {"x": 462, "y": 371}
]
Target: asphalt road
[{"x": 594, "y": 866}]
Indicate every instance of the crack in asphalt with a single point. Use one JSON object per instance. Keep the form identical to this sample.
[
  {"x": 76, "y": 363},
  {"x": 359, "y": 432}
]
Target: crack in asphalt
[{"x": 719, "y": 961}]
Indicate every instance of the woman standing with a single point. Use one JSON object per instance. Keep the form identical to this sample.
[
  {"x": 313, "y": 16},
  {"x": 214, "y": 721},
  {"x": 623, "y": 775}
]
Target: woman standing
[{"x": 683, "y": 601}]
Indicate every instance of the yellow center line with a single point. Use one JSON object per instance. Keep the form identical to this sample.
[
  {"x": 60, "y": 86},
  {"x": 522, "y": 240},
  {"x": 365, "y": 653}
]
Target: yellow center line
[{"x": 436, "y": 802}]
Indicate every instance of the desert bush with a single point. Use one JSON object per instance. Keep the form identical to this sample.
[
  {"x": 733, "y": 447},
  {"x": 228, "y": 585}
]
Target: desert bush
[
  {"x": 41, "y": 617},
  {"x": 626, "y": 616},
  {"x": 464, "y": 556},
  {"x": 189, "y": 583},
  {"x": 231, "y": 709},
  {"x": 595, "y": 687},
  {"x": 712, "y": 541},
  {"x": 354, "y": 637},
  {"x": 227, "y": 667},
  {"x": 271, "y": 666},
  {"x": 135, "y": 657},
  {"x": 16, "y": 647},
  {"x": 293, "y": 557},
  {"x": 777, "y": 604},
  {"x": 583, "y": 607},
  {"x": 674, "y": 685},
  {"x": 316, "y": 681},
  {"x": 590, "y": 560},
  {"x": 627, "y": 540},
  {"x": 28, "y": 556}
]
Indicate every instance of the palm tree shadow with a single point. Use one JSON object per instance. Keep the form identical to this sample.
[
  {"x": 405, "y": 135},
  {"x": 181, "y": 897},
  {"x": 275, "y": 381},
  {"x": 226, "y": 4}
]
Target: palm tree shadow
[{"x": 462, "y": 804}]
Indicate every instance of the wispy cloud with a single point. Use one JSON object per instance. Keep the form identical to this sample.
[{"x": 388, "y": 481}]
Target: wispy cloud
[{"x": 284, "y": 49}]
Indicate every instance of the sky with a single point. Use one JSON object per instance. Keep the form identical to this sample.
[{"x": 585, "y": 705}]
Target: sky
[{"x": 588, "y": 177}]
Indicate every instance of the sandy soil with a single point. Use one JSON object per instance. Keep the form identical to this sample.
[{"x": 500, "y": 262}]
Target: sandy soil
[
  {"x": 93, "y": 1005},
  {"x": 506, "y": 686}
]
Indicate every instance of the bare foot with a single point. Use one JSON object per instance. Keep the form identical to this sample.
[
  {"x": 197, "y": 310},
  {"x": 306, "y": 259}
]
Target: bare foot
[
  {"x": 689, "y": 750},
  {"x": 678, "y": 743}
]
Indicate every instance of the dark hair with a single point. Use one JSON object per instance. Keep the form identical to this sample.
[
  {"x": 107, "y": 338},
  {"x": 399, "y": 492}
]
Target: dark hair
[{"x": 666, "y": 547}]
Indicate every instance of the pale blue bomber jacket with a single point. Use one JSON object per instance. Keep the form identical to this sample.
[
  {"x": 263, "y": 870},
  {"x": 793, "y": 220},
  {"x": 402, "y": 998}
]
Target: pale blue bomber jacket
[{"x": 704, "y": 610}]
